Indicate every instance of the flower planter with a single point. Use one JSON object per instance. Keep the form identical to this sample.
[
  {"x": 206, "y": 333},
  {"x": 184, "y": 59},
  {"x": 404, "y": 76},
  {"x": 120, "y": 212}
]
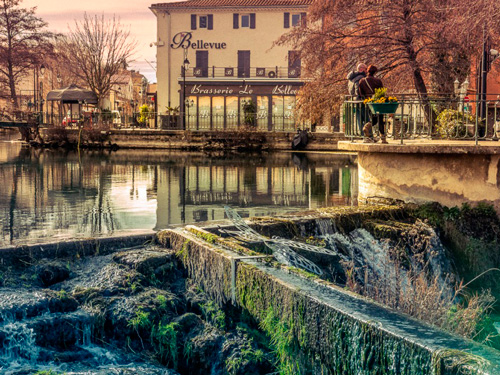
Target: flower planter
[{"x": 383, "y": 108}]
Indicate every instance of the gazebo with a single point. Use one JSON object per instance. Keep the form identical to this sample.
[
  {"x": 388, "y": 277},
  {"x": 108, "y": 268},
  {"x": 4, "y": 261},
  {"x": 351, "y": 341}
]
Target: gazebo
[{"x": 70, "y": 100}]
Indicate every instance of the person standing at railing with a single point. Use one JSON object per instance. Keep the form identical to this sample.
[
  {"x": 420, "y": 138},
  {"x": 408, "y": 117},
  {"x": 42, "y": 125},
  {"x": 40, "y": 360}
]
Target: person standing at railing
[
  {"x": 353, "y": 88},
  {"x": 367, "y": 87}
]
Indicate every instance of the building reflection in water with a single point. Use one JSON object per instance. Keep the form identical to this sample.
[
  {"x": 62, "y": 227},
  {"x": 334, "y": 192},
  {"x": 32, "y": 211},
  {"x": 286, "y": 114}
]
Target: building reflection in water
[{"x": 50, "y": 195}]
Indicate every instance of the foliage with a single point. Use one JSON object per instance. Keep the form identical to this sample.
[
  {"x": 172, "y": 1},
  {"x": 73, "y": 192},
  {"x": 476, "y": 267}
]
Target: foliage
[
  {"x": 247, "y": 354},
  {"x": 282, "y": 342},
  {"x": 249, "y": 110},
  {"x": 141, "y": 320},
  {"x": 24, "y": 43},
  {"x": 415, "y": 43},
  {"x": 164, "y": 340},
  {"x": 380, "y": 97},
  {"x": 214, "y": 314},
  {"x": 145, "y": 114},
  {"x": 96, "y": 51},
  {"x": 452, "y": 123}
]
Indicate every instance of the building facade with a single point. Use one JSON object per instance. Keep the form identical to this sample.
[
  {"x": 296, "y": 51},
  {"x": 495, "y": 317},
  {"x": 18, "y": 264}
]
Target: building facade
[{"x": 217, "y": 63}]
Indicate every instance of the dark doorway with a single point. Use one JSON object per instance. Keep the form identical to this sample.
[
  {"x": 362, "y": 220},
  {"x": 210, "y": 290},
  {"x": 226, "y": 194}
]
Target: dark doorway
[{"x": 244, "y": 64}]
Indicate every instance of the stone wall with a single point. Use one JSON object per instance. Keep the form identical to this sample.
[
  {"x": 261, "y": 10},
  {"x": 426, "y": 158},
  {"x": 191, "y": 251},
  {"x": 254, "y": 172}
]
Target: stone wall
[{"x": 175, "y": 139}]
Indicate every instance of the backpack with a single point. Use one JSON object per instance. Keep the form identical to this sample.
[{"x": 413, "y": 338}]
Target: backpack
[{"x": 353, "y": 85}]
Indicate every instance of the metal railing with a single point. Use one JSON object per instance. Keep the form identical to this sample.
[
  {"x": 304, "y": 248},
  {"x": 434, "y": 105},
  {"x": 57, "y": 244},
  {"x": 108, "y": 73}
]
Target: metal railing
[
  {"x": 434, "y": 117},
  {"x": 209, "y": 121},
  {"x": 239, "y": 72}
]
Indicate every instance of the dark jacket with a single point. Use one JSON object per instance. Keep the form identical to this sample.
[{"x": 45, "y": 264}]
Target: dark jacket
[
  {"x": 368, "y": 85},
  {"x": 353, "y": 84}
]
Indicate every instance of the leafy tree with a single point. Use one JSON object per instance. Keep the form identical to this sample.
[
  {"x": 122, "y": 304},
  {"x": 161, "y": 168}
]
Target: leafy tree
[
  {"x": 96, "y": 51},
  {"x": 416, "y": 44},
  {"x": 24, "y": 43}
]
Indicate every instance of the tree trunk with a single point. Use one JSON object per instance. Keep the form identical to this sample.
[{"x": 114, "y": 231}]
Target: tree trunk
[{"x": 12, "y": 87}]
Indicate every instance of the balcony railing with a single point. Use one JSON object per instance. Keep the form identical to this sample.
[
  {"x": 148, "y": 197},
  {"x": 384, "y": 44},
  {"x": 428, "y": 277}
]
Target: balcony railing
[
  {"x": 274, "y": 72},
  {"x": 434, "y": 117}
]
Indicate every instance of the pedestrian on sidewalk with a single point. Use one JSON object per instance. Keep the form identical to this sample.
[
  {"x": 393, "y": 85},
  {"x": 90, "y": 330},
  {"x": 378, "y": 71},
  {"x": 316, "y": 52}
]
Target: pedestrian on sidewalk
[
  {"x": 353, "y": 88},
  {"x": 367, "y": 87}
]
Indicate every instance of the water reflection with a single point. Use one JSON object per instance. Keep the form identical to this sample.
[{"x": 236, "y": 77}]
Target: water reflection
[{"x": 49, "y": 195}]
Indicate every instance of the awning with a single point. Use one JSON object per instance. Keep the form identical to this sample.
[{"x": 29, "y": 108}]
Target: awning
[{"x": 72, "y": 94}]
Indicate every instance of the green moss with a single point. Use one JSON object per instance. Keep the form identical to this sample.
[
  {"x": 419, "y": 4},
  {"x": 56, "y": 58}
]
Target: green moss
[
  {"x": 453, "y": 361},
  {"x": 183, "y": 252}
]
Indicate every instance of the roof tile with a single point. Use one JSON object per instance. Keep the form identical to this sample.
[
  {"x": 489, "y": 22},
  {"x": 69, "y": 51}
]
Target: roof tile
[{"x": 231, "y": 3}]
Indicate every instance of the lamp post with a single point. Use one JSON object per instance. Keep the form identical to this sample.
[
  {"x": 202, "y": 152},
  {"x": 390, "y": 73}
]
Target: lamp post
[
  {"x": 185, "y": 67},
  {"x": 42, "y": 73}
]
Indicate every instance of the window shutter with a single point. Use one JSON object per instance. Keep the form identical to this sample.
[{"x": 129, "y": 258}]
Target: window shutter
[
  {"x": 236, "y": 18},
  {"x": 193, "y": 21},
  {"x": 303, "y": 19},
  {"x": 287, "y": 20},
  {"x": 211, "y": 22},
  {"x": 252, "y": 20}
]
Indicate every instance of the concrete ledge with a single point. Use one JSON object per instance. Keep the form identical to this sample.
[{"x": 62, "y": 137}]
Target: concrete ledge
[
  {"x": 423, "y": 147},
  {"x": 338, "y": 331}
]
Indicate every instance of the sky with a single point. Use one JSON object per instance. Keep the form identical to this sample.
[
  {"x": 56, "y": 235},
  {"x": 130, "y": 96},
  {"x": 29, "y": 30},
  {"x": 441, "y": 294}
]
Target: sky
[{"x": 134, "y": 14}]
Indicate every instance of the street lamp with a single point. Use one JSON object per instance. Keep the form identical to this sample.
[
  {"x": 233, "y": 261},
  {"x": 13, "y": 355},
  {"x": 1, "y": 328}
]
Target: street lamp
[
  {"x": 185, "y": 67},
  {"x": 42, "y": 72}
]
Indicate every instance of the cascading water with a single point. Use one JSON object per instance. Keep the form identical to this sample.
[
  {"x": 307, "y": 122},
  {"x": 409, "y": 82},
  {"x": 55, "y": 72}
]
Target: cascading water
[{"x": 374, "y": 259}]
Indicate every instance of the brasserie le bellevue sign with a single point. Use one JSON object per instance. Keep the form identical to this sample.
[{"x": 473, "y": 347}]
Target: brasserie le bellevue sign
[{"x": 278, "y": 89}]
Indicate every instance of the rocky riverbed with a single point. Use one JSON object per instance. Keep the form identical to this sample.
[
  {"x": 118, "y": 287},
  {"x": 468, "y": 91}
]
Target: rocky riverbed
[{"x": 130, "y": 312}]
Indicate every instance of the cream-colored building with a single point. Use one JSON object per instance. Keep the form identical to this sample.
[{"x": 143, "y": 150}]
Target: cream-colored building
[{"x": 233, "y": 72}]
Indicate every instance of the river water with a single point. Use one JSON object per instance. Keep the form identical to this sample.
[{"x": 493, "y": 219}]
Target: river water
[{"x": 51, "y": 195}]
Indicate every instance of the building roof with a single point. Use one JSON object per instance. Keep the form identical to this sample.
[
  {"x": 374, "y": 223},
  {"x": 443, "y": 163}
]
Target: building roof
[{"x": 231, "y": 4}]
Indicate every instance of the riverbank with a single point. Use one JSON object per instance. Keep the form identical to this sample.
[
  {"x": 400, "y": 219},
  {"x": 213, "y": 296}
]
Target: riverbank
[
  {"x": 193, "y": 303},
  {"x": 244, "y": 139}
]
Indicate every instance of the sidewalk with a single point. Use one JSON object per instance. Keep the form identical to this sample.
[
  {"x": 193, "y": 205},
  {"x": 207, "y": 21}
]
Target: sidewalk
[{"x": 424, "y": 146}]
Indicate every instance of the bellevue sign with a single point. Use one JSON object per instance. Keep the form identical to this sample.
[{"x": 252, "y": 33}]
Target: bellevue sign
[{"x": 184, "y": 40}]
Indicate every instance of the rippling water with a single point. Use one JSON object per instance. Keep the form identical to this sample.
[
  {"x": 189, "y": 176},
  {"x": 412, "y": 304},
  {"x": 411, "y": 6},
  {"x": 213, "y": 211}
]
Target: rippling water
[{"x": 47, "y": 195}]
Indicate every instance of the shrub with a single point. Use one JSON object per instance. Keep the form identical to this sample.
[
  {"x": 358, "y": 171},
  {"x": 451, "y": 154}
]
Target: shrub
[{"x": 452, "y": 123}]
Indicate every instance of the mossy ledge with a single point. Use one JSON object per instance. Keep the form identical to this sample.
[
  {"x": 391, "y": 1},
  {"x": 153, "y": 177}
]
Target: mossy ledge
[{"x": 318, "y": 328}]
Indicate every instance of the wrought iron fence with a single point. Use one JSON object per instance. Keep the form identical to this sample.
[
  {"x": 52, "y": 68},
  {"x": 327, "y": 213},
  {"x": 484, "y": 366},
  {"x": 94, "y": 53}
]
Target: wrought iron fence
[
  {"x": 244, "y": 72},
  {"x": 434, "y": 117},
  {"x": 286, "y": 122}
]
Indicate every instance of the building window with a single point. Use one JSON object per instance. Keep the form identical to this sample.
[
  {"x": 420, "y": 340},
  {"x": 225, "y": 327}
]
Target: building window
[
  {"x": 244, "y": 20},
  {"x": 203, "y": 22},
  {"x": 294, "y": 19}
]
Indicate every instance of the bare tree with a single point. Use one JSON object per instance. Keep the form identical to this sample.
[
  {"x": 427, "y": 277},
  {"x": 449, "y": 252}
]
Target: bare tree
[
  {"x": 24, "y": 42},
  {"x": 96, "y": 50},
  {"x": 417, "y": 44}
]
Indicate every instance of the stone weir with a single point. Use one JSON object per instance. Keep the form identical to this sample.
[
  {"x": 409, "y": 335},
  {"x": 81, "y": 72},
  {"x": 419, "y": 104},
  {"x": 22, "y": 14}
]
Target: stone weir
[
  {"x": 328, "y": 330},
  {"x": 316, "y": 326}
]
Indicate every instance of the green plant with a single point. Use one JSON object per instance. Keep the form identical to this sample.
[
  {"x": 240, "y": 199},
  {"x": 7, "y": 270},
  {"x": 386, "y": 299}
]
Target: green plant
[
  {"x": 164, "y": 340},
  {"x": 249, "y": 110},
  {"x": 141, "y": 320},
  {"x": 162, "y": 302},
  {"x": 145, "y": 114},
  {"x": 452, "y": 123},
  {"x": 246, "y": 355},
  {"x": 282, "y": 341},
  {"x": 213, "y": 314},
  {"x": 46, "y": 372}
]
